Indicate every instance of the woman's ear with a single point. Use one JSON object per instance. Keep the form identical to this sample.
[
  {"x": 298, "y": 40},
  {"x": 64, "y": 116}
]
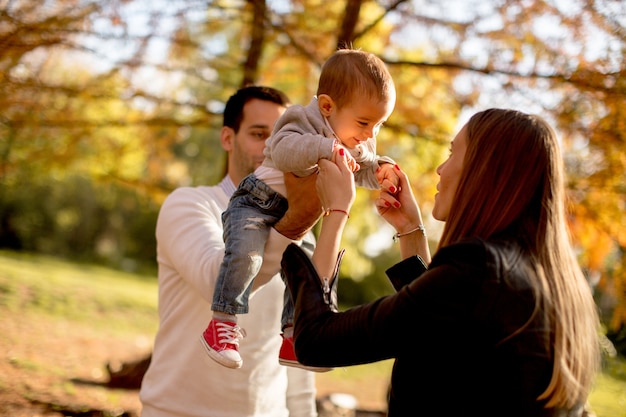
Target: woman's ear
[{"x": 326, "y": 104}]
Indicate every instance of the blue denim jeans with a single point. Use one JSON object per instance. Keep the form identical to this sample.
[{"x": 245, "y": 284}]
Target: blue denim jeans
[{"x": 252, "y": 211}]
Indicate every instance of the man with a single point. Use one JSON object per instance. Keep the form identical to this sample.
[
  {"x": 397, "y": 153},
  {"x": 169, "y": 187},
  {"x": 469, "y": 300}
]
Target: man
[{"x": 181, "y": 380}]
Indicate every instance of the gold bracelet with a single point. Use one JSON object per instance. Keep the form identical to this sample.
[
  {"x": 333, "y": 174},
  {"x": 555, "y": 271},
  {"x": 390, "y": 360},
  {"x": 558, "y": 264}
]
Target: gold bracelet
[
  {"x": 421, "y": 228},
  {"x": 328, "y": 211}
]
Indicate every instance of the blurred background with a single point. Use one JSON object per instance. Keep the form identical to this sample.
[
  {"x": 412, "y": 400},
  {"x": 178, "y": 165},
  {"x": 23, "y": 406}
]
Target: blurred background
[{"x": 107, "y": 106}]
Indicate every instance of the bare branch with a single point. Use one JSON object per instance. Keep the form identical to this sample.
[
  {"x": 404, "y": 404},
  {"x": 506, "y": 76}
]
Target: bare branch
[{"x": 576, "y": 79}]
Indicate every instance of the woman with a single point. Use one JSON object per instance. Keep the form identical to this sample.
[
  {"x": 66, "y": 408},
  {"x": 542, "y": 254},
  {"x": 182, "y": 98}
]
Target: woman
[{"x": 502, "y": 321}]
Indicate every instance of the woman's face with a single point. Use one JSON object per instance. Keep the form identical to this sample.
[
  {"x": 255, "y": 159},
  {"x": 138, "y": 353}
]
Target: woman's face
[{"x": 449, "y": 175}]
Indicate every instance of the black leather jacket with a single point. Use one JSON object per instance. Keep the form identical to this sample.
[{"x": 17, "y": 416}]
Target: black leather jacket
[{"x": 466, "y": 334}]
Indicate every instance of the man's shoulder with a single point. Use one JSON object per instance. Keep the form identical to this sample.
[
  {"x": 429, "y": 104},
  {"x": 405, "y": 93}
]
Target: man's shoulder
[
  {"x": 193, "y": 196},
  {"x": 197, "y": 192}
]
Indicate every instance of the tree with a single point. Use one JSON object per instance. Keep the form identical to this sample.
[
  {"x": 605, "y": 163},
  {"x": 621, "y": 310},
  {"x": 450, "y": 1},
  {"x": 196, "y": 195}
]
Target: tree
[{"x": 163, "y": 72}]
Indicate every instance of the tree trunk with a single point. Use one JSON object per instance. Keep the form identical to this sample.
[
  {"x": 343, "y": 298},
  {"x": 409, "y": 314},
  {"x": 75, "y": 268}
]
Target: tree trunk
[{"x": 257, "y": 38}]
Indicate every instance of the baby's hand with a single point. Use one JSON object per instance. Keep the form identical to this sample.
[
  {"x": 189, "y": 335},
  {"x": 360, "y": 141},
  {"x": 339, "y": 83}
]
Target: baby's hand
[
  {"x": 387, "y": 178},
  {"x": 352, "y": 163}
]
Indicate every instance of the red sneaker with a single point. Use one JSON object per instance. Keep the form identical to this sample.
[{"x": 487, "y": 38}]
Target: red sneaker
[
  {"x": 287, "y": 357},
  {"x": 221, "y": 342}
]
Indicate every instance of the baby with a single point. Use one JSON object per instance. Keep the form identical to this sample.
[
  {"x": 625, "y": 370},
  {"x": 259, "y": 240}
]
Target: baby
[{"x": 355, "y": 96}]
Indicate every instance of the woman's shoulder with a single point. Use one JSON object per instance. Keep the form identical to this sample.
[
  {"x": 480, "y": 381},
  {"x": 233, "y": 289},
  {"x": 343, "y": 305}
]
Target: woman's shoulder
[
  {"x": 466, "y": 251},
  {"x": 500, "y": 255},
  {"x": 503, "y": 270}
]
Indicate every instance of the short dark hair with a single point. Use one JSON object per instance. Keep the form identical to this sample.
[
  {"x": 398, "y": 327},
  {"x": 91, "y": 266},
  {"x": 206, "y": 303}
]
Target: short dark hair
[{"x": 233, "y": 112}]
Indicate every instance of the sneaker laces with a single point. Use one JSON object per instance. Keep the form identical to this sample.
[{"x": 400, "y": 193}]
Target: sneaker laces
[{"x": 229, "y": 334}]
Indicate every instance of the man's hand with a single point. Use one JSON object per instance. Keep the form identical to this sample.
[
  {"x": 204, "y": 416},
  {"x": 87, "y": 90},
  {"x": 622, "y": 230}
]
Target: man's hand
[{"x": 304, "y": 210}]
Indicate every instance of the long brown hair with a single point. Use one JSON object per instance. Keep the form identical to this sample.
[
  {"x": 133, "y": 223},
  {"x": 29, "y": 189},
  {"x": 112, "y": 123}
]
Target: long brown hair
[{"x": 512, "y": 182}]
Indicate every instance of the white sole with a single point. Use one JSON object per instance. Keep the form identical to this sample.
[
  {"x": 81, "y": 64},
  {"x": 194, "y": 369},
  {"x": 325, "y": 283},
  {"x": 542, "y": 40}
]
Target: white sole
[
  {"x": 293, "y": 364},
  {"x": 219, "y": 358}
]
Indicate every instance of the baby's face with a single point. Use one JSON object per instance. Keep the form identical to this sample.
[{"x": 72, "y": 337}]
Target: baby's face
[{"x": 359, "y": 120}]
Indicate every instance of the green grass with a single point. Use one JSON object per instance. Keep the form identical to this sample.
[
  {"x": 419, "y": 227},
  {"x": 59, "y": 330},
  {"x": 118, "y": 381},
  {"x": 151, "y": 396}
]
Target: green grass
[
  {"x": 102, "y": 297},
  {"x": 608, "y": 399},
  {"x": 106, "y": 298}
]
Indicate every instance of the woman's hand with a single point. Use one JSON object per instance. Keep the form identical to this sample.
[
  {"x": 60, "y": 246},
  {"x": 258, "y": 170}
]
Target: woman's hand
[
  {"x": 387, "y": 176},
  {"x": 400, "y": 209},
  {"x": 335, "y": 183},
  {"x": 402, "y": 212},
  {"x": 336, "y": 190}
]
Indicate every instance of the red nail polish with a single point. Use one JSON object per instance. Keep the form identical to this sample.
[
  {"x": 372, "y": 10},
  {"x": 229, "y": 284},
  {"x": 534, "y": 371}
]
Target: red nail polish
[
  {"x": 396, "y": 167},
  {"x": 341, "y": 151},
  {"x": 387, "y": 204},
  {"x": 396, "y": 204},
  {"x": 392, "y": 189}
]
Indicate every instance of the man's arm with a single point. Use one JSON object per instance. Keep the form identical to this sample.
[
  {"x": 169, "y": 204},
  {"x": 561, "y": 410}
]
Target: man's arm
[
  {"x": 304, "y": 211},
  {"x": 189, "y": 235},
  {"x": 305, "y": 208}
]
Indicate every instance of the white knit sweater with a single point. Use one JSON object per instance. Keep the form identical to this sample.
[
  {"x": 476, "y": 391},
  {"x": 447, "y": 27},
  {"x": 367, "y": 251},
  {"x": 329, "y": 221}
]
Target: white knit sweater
[{"x": 182, "y": 381}]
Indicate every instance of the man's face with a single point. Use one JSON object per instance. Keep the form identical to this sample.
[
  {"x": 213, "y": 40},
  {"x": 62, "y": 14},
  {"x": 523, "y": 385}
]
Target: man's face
[{"x": 247, "y": 145}]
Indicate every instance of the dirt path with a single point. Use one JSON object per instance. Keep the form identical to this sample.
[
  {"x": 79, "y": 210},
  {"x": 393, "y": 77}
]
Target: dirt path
[{"x": 46, "y": 363}]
